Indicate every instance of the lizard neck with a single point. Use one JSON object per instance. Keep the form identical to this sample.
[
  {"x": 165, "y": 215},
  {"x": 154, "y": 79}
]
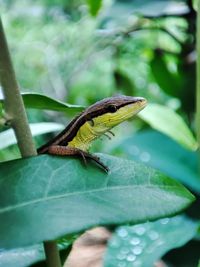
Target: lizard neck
[{"x": 84, "y": 137}]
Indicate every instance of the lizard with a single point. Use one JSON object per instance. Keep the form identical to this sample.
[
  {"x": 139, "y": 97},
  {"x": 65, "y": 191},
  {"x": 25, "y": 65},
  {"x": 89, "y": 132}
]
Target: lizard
[{"x": 95, "y": 121}]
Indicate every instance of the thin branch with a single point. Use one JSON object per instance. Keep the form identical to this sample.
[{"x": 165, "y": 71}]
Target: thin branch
[
  {"x": 153, "y": 28},
  {"x": 198, "y": 81},
  {"x": 16, "y": 115}
]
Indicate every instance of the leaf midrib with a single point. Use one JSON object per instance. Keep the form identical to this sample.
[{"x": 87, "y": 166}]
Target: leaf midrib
[{"x": 14, "y": 207}]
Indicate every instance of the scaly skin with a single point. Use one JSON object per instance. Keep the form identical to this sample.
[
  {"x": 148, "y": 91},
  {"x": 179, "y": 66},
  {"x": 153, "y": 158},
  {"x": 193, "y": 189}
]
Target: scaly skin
[{"x": 92, "y": 123}]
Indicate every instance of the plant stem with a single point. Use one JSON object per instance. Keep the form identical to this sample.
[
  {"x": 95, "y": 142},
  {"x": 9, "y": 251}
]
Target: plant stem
[
  {"x": 198, "y": 83},
  {"x": 15, "y": 112},
  {"x": 53, "y": 258},
  {"x": 13, "y": 104}
]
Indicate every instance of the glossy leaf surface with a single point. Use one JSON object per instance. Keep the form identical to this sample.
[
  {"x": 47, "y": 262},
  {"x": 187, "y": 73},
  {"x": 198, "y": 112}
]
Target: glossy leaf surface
[
  {"x": 167, "y": 121},
  {"x": 48, "y": 196},
  {"x": 144, "y": 244},
  {"x": 160, "y": 152},
  {"x": 39, "y": 101}
]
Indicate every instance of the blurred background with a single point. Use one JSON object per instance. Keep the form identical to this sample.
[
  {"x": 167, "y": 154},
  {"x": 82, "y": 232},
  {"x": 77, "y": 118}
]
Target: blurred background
[{"x": 81, "y": 51}]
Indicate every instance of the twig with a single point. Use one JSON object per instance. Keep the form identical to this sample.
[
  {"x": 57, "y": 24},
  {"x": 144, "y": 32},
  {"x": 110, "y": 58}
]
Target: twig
[
  {"x": 198, "y": 83},
  {"x": 154, "y": 28}
]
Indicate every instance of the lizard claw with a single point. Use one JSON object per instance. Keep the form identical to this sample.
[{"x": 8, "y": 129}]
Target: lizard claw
[{"x": 97, "y": 160}]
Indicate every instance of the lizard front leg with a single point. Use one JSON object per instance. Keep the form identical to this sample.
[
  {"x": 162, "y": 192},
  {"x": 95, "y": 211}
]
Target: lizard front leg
[{"x": 73, "y": 151}]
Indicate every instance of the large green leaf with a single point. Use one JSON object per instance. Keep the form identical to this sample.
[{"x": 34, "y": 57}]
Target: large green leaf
[
  {"x": 161, "y": 152},
  {"x": 7, "y": 138},
  {"x": 44, "y": 197},
  {"x": 39, "y": 101},
  {"x": 143, "y": 244},
  {"x": 167, "y": 121}
]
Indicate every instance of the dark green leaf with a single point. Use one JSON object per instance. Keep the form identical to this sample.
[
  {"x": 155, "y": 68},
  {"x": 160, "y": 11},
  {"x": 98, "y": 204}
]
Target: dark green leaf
[
  {"x": 39, "y": 101},
  {"x": 44, "y": 197},
  {"x": 94, "y": 6},
  {"x": 123, "y": 82},
  {"x": 167, "y": 81},
  {"x": 162, "y": 153},
  {"x": 143, "y": 244}
]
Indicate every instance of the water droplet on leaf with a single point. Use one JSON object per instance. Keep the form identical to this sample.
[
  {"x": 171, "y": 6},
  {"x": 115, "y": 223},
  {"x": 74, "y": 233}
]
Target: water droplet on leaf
[
  {"x": 139, "y": 230},
  {"x": 122, "y": 232},
  {"x": 145, "y": 156},
  {"x": 135, "y": 241},
  {"x": 164, "y": 221},
  {"x": 153, "y": 235},
  {"x": 131, "y": 257},
  {"x": 137, "y": 250}
]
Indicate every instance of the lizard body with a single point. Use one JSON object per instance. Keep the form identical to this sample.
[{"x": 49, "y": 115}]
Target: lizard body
[{"x": 93, "y": 122}]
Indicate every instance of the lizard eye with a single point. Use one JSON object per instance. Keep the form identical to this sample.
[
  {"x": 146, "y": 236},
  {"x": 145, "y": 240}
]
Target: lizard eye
[{"x": 112, "y": 108}]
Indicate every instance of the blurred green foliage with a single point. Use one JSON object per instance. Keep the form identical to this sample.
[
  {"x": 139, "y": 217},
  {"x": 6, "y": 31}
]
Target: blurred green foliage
[
  {"x": 145, "y": 48},
  {"x": 60, "y": 50}
]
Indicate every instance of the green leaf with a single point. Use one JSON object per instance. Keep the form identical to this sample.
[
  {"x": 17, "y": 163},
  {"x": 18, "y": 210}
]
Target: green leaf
[
  {"x": 94, "y": 6},
  {"x": 23, "y": 257},
  {"x": 195, "y": 5},
  {"x": 49, "y": 196},
  {"x": 123, "y": 82},
  {"x": 165, "y": 79},
  {"x": 39, "y": 101},
  {"x": 7, "y": 138},
  {"x": 161, "y": 152},
  {"x": 143, "y": 244},
  {"x": 167, "y": 121}
]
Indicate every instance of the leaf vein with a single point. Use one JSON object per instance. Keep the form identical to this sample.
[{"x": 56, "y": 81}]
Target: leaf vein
[{"x": 9, "y": 208}]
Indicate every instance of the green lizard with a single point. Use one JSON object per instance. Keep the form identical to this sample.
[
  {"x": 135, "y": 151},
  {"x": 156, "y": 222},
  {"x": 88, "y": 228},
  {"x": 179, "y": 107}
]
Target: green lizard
[{"x": 93, "y": 122}]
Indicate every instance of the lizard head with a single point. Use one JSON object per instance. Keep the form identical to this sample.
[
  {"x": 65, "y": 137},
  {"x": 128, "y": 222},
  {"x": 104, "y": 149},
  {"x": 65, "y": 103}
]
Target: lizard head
[{"x": 109, "y": 112}]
